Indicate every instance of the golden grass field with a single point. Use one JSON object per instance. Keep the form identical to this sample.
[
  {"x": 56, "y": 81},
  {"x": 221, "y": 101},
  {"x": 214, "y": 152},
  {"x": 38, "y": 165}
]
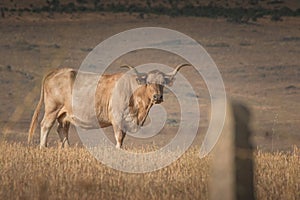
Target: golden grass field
[{"x": 54, "y": 173}]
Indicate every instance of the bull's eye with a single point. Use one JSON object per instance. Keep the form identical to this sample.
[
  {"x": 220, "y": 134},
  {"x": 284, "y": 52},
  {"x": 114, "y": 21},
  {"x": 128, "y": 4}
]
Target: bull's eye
[{"x": 141, "y": 81}]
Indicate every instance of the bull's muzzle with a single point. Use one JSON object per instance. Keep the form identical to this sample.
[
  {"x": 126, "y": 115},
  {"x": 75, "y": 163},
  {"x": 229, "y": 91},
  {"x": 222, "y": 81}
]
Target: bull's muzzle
[{"x": 158, "y": 98}]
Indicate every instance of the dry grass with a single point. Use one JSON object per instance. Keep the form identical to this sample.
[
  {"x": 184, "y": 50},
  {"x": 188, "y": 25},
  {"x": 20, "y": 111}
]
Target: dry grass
[
  {"x": 29, "y": 173},
  {"x": 277, "y": 175}
]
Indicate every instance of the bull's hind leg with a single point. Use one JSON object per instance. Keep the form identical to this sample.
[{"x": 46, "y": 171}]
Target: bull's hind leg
[
  {"x": 63, "y": 131},
  {"x": 46, "y": 125}
]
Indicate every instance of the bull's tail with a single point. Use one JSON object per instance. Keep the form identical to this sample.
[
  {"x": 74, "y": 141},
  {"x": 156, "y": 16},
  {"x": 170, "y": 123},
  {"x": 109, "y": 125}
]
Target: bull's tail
[{"x": 37, "y": 110}]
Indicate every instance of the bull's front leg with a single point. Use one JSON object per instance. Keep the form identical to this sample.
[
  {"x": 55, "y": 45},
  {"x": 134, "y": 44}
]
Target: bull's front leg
[{"x": 119, "y": 135}]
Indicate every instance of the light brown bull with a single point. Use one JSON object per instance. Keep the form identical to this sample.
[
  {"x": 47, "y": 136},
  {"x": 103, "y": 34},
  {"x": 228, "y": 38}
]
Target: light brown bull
[{"x": 122, "y": 100}]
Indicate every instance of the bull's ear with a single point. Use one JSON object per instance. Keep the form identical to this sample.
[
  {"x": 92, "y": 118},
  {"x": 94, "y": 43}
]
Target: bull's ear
[
  {"x": 169, "y": 80},
  {"x": 141, "y": 79}
]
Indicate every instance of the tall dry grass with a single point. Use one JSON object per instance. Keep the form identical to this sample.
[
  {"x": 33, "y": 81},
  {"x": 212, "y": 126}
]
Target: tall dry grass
[
  {"x": 30, "y": 173},
  {"x": 277, "y": 175}
]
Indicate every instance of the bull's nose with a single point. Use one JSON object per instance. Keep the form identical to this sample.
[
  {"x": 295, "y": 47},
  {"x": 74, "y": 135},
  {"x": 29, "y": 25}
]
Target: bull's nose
[{"x": 158, "y": 97}]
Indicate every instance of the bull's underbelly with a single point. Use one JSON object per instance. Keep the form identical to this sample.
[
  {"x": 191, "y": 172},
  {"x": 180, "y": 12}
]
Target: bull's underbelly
[
  {"x": 104, "y": 124},
  {"x": 88, "y": 124},
  {"x": 83, "y": 121}
]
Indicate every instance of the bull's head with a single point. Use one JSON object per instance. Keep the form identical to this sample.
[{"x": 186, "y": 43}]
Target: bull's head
[{"x": 155, "y": 81}]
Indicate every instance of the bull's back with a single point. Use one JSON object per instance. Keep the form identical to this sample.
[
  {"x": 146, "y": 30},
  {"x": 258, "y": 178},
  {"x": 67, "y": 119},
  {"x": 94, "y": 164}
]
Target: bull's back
[{"x": 59, "y": 86}]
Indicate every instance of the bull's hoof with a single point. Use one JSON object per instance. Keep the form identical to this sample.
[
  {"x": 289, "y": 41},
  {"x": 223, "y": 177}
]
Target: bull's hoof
[
  {"x": 65, "y": 143},
  {"x": 65, "y": 146},
  {"x": 43, "y": 147}
]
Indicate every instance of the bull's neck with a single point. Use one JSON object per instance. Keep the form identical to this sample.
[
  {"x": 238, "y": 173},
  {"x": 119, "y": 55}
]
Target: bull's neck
[{"x": 140, "y": 104}]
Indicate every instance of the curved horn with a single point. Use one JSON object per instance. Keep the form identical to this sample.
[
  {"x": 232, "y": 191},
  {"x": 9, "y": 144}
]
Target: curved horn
[
  {"x": 178, "y": 67},
  {"x": 130, "y": 67}
]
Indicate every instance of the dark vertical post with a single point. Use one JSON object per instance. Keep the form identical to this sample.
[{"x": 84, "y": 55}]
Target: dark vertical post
[
  {"x": 243, "y": 153},
  {"x": 232, "y": 157}
]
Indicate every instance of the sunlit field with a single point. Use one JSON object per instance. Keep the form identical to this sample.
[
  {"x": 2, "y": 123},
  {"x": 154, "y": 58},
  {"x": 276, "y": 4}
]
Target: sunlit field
[{"x": 73, "y": 173}]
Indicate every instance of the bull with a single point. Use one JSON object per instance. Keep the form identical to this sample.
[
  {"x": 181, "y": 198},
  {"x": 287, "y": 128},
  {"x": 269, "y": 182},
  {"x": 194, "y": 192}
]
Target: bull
[{"x": 122, "y": 100}]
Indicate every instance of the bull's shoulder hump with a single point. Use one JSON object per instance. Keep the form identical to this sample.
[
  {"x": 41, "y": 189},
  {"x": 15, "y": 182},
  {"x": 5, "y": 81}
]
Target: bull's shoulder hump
[
  {"x": 114, "y": 76},
  {"x": 119, "y": 74}
]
